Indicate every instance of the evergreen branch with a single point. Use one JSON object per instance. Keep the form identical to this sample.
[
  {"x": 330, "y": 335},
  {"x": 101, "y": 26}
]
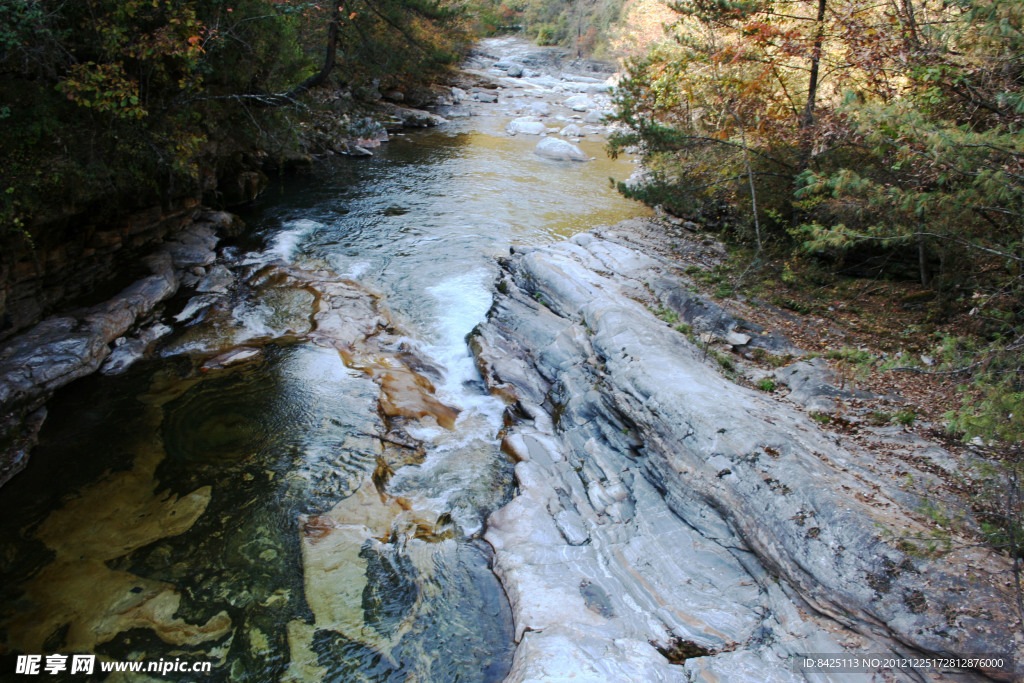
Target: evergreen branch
[{"x": 962, "y": 242}]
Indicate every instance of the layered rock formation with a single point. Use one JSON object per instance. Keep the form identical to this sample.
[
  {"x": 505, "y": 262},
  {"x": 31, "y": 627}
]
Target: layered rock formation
[
  {"x": 63, "y": 348},
  {"x": 667, "y": 516}
]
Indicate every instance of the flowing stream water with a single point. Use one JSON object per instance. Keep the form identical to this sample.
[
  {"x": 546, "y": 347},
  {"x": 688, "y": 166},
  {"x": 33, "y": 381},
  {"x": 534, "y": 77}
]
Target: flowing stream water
[{"x": 172, "y": 513}]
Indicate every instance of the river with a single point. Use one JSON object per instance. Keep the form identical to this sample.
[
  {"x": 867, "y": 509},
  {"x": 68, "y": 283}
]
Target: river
[{"x": 181, "y": 512}]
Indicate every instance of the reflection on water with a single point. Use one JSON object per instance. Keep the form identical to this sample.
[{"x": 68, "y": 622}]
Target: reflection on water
[{"x": 256, "y": 515}]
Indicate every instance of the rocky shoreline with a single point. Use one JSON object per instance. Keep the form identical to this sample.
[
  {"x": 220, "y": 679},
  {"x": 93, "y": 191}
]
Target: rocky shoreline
[
  {"x": 178, "y": 247},
  {"x": 666, "y": 514},
  {"x": 65, "y": 347},
  {"x": 41, "y": 351}
]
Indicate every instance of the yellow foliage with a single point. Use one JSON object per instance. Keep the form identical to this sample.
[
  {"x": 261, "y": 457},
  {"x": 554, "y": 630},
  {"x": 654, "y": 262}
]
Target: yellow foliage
[{"x": 642, "y": 27}]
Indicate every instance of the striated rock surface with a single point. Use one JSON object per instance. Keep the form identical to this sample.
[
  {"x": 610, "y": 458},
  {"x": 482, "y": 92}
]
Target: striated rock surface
[
  {"x": 671, "y": 525},
  {"x": 63, "y": 348},
  {"x": 76, "y": 255},
  {"x": 813, "y": 385}
]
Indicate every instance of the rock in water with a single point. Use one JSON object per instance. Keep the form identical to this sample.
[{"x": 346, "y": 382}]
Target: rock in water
[
  {"x": 539, "y": 108},
  {"x": 580, "y": 103},
  {"x": 559, "y": 150},
  {"x": 526, "y": 125}
]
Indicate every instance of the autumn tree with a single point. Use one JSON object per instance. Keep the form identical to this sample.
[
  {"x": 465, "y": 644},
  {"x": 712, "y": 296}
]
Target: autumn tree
[
  {"x": 583, "y": 26},
  {"x": 119, "y": 103},
  {"x": 724, "y": 111},
  {"x": 835, "y": 127}
]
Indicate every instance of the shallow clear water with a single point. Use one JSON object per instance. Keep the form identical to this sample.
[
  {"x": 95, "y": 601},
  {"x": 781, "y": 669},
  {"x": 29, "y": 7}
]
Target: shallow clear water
[{"x": 172, "y": 512}]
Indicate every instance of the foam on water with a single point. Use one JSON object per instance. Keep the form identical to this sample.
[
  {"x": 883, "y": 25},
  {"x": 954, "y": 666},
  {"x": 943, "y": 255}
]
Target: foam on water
[
  {"x": 286, "y": 241},
  {"x": 356, "y": 270},
  {"x": 463, "y": 301}
]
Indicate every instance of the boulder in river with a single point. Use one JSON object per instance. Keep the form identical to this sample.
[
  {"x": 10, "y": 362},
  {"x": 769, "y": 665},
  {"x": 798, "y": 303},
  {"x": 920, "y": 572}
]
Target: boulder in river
[
  {"x": 572, "y": 131},
  {"x": 580, "y": 103},
  {"x": 412, "y": 118},
  {"x": 538, "y": 108},
  {"x": 560, "y": 150},
  {"x": 526, "y": 125},
  {"x": 217, "y": 280}
]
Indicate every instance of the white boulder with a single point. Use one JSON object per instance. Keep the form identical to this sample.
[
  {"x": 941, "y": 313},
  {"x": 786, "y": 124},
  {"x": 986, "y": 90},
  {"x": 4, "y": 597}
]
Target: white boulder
[
  {"x": 579, "y": 103},
  {"x": 526, "y": 125},
  {"x": 559, "y": 150}
]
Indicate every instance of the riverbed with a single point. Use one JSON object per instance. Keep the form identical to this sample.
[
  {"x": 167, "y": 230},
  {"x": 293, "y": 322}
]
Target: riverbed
[{"x": 269, "y": 515}]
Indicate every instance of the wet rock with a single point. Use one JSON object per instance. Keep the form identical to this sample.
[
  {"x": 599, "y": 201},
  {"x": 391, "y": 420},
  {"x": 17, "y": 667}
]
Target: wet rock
[
  {"x": 413, "y": 118},
  {"x": 367, "y": 133},
  {"x": 195, "y": 306},
  {"x": 702, "y": 512},
  {"x": 125, "y": 355},
  {"x": 358, "y": 151},
  {"x": 527, "y": 126},
  {"x": 188, "y": 255},
  {"x": 94, "y": 603},
  {"x": 61, "y": 349},
  {"x": 544, "y": 81},
  {"x": 560, "y": 150},
  {"x": 217, "y": 280},
  {"x": 83, "y": 251},
  {"x": 579, "y": 103},
  {"x": 538, "y": 108},
  {"x": 485, "y": 96},
  {"x": 572, "y": 131},
  {"x": 232, "y": 357}
]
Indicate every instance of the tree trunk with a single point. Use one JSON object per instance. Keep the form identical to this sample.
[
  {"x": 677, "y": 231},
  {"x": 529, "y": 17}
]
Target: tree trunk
[
  {"x": 812, "y": 86},
  {"x": 908, "y": 9},
  {"x": 922, "y": 261},
  {"x": 321, "y": 76}
]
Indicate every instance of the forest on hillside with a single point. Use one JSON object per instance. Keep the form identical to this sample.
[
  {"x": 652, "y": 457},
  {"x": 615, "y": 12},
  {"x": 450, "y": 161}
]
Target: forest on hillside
[
  {"x": 879, "y": 139},
  {"x": 118, "y": 104},
  {"x": 585, "y": 27}
]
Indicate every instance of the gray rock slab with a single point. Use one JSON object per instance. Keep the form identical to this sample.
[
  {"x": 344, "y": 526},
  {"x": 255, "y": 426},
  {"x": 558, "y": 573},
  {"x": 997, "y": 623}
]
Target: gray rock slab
[
  {"x": 713, "y": 515},
  {"x": 217, "y": 281},
  {"x": 814, "y": 386}
]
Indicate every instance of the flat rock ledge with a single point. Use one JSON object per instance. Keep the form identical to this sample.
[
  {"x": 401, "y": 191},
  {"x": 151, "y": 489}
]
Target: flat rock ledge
[
  {"x": 671, "y": 525},
  {"x": 63, "y": 348}
]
